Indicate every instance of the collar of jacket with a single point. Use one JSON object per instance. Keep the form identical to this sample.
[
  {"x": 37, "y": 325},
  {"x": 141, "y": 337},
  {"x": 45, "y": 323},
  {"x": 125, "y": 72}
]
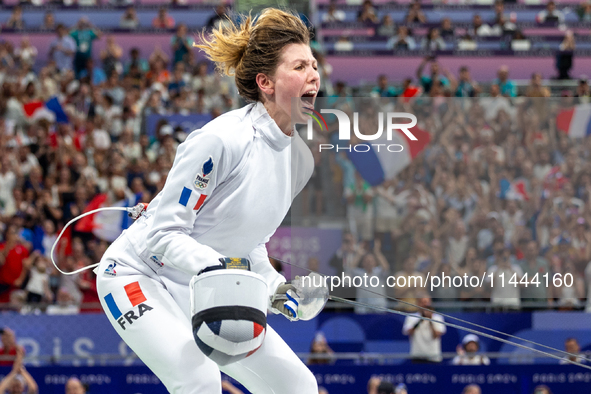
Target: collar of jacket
[{"x": 266, "y": 126}]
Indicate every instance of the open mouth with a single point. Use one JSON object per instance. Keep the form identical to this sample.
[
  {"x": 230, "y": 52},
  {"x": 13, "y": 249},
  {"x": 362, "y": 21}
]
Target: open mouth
[{"x": 308, "y": 98}]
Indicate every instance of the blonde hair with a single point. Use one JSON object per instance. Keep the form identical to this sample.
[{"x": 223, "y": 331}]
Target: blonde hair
[{"x": 253, "y": 47}]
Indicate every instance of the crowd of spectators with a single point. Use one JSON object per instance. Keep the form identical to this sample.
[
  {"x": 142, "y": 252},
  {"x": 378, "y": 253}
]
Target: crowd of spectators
[
  {"x": 416, "y": 32},
  {"x": 53, "y": 166},
  {"x": 498, "y": 190}
]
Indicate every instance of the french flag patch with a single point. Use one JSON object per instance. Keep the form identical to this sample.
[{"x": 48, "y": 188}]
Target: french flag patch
[{"x": 187, "y": 197}]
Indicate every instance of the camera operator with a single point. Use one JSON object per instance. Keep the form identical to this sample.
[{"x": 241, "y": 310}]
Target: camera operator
[{"x": 425, "y": 335}]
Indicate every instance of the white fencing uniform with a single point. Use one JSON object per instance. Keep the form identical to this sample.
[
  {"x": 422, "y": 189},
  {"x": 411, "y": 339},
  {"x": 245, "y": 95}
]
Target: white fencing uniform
[{"x": 231, "y": 185}]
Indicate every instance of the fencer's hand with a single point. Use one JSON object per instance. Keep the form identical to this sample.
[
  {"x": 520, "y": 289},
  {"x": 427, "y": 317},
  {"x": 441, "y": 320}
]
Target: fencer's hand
[{"x": 286, "y": 301}]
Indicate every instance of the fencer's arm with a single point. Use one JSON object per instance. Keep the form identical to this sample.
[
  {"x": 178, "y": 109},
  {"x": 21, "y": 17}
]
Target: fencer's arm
[
  {"x": 259, "y": 260},
  {"x": 169, "y": 238}
]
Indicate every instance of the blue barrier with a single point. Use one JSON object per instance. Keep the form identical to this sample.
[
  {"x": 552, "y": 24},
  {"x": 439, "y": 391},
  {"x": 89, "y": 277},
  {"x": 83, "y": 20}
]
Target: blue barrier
[
  {"x": 89, "y": 339},
  {"x": 420, "y": 379}
]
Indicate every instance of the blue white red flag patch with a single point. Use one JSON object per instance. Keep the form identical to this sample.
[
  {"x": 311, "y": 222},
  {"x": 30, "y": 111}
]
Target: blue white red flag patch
[{"x": 186, "y": 196}]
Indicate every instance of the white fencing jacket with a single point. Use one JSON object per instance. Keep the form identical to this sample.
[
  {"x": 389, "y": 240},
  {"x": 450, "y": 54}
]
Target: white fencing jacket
[{"x": 231, "y": 185}]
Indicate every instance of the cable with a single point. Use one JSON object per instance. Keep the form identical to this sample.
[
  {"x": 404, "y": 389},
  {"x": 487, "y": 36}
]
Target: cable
[
  {"x": 406, "y": 314},
  {"x": 134, "y": 212}
]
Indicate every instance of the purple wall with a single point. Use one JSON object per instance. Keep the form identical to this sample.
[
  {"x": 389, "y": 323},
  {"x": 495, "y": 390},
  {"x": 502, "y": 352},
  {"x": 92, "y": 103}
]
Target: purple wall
[
  {"x": 354, "y": 69},
  {"x": 348, "y": 69},
  {"x": 145, "y": 42}
]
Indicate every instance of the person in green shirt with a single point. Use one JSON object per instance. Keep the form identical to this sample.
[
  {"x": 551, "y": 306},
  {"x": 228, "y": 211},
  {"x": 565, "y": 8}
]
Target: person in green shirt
[
  {"x": 84, "y": 34},
  {"x": 181, "y": 44}
]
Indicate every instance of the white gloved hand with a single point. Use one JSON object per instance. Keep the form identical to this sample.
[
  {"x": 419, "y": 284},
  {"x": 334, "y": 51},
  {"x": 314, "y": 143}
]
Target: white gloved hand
[{"x": 286, "y": 301}]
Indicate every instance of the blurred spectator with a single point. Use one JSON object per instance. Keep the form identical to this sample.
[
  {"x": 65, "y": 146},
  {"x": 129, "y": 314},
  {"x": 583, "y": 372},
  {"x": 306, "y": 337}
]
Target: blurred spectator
[
  {"x": 467, "y": 43},
  {"x": 571, "y": 345},
  {"x": 468, "y": 352},
  {"x": 38, "y": 284},
  {"x": 14, "y": 262},
  {"x": 372, "y": 385},
  {"x": 111, "y": 57},
  {"x": 8, "y": 178},
  {"x": 406, "y": 288},
  {"x": 325, "y": 71},
  {"x": 427, "y": 81},
  {"x": 387, "y": 27},
  {"x": 10, "y": 351},
  {"x": 550, "y": 14},
  {"x": 402, "y": 40},
  {"x": 387, "y": 218},
  {"x": 564, "y": 57},
  {"x": 493, "y": 104},
  {"x": 95, "y": 75},
  {"x": 15, "y": 21},
  {"x": 343, "y": 44},
  {"x": 519, "y": 42},
  {"x": 64, "y": 304},
  {"x": 373, "y": 266},
  {"x": 509, "y": 295},
  {"x": 177, "y": 84},
  {"x": 506, "y": 86},
  {"x": 473, "y": 389},
  {"x": 400, "y": 389},
  {"x": 425, "y": 336},
  {"x": 62, "y": 49},
  {"x": 83, "y": 35},
  {"x": 584, "y": 11},
  {"x": 163, "y": 20},
  {"x": 19, "y": 380},
  {"x": 383, "y": 89},
  {"x": 129, "y": 20},
  {"x": 468, "y": 293},
  {"x": 385, "y": 388},
  {"x": 320, "y": 346},
  {"x": 221, "y": 15},
  {"x": 344, "y": 257},
  {"x": 457, "y": 244},
  {"x": 333, "y": 14},
  {"x": 135, "y": 60},
  {"x": 583, "y": 92},
  {"x": 359, "y": 198},
  {"x": 322, "y": 390},
  {"x": 368, "y": 13},
  {"x": 447, "y": 31},
  {"x": 26, "y": 53},
  {"x": 181, "y": 44},
  {"x": 433, "y": 41},
  {"x": 229, "y": 387},
  {"x": 535, "y": 88},
  {"x": 75, "y": 386},
  {"x": 467, "y": 87},
  {"x": 415, "y": 14},
  {"x": 203, "y": 79},
  {"x": 502, "y": 24},
  {"x": 572, "y": 289},
  {"x": 446, "y": 291},
  {"x": 541, "y": 389},
  {"x": 48, "y": 21},
  {"x": 479, "y": 28},
  {"x": 532, "y": 265}
]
